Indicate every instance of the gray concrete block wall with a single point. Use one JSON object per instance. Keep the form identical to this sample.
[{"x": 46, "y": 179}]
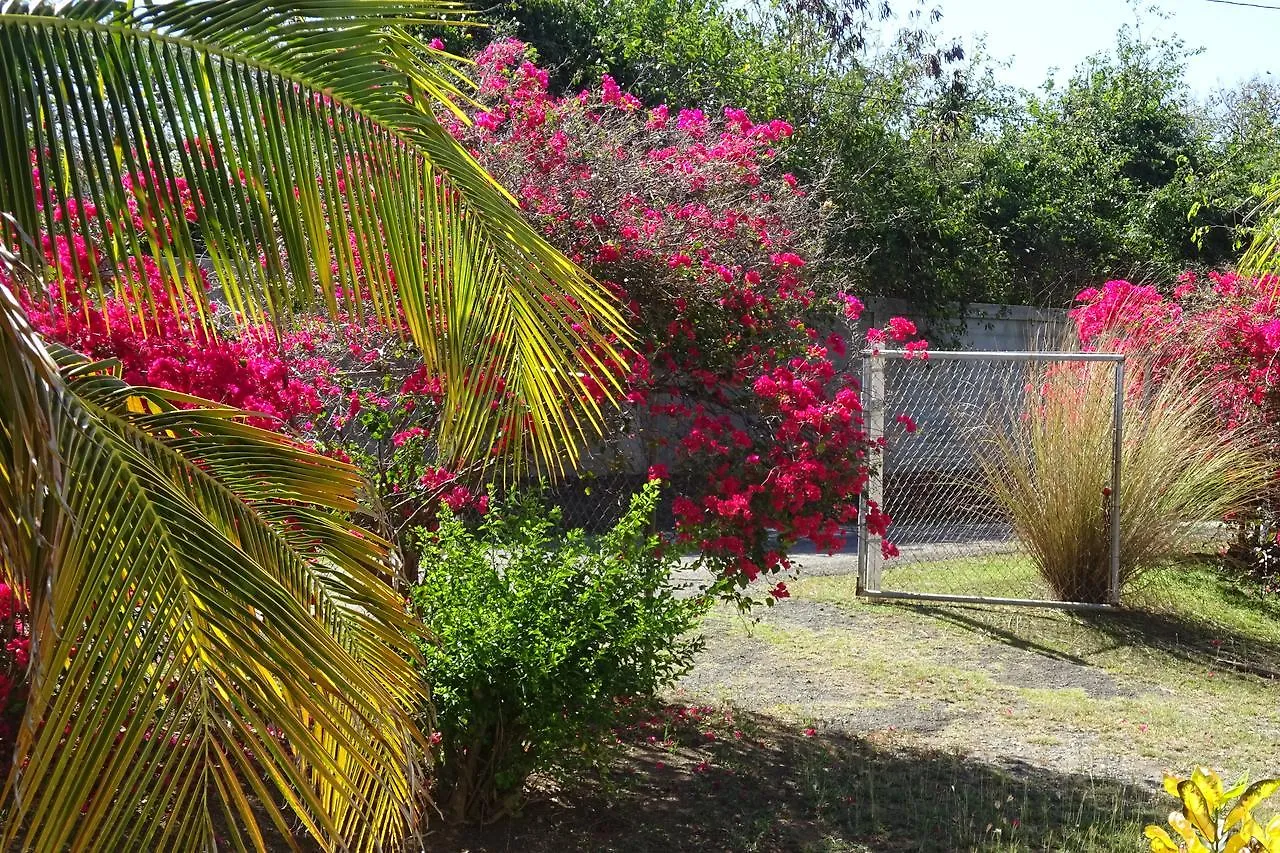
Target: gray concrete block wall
[{"x": 979, "y": 326}]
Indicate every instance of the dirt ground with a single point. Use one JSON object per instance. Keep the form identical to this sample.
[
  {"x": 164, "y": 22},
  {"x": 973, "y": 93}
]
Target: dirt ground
[{"x": 833, "y": 724}]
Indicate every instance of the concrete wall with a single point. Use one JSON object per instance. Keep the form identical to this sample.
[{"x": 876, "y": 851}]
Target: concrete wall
[{"x": 980, "y": 326}]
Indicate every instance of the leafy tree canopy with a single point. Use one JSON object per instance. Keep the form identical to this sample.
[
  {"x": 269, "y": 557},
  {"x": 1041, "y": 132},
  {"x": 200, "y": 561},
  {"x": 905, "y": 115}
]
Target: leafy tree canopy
[{"x": 947, "y": 186}]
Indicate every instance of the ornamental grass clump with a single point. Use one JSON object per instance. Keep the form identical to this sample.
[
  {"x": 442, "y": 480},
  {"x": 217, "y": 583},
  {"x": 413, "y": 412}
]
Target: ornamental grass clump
[{"x": 1181, "y": 468}]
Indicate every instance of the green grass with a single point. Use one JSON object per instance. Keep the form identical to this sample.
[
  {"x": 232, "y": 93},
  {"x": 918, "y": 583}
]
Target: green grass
[
  {"x": 999, "y": 575},
  {"x": 1185, "y": 678},
  {"x": 1190, "y": 610}
]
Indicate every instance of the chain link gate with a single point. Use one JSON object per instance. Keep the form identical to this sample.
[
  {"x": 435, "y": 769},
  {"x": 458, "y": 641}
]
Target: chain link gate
[{"x": 954, "y": 543}]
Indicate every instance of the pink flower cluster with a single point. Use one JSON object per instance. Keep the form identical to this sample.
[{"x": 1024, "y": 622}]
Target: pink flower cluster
[
  {"x": 444, "y": 485},
  {"x": 15, "y": 654},
  {"x": 1223, "y": 326},
  {"x": 279, "y": 377},
  {"x": 687, "y": 217},
  {"x": 766, "y": 492}
]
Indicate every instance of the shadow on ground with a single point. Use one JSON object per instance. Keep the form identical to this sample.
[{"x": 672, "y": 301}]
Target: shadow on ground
[
  {"x": 734, "y": 782},
  {"x": 1197, "y": 641}
]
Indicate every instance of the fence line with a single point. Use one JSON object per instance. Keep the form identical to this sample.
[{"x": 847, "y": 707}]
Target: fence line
[{"x": 954, "y": 542}]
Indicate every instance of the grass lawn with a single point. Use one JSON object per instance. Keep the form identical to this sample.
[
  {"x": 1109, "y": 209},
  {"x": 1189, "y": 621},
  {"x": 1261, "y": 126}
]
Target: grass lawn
[
  {"x": 998, "y": 575},
  {"x": 834, "y": 724}
]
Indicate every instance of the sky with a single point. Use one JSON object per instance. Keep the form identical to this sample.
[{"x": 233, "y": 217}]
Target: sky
[{"x": 1038, "y": 35}]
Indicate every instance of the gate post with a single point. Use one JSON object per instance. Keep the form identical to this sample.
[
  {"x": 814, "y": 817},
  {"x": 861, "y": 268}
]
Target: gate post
[
  {"x": 870, "y": 557},
  {"x": 1117, "y": 451}
]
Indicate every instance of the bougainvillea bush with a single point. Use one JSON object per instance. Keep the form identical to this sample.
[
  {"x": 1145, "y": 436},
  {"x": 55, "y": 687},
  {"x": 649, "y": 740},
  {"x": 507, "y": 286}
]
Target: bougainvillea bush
[
  {"x": 279, "y": 378},
  {"x": 15, "y": 653},
  {"x": 1221, "y": 327},
  {"x": 1225, "y": 326},
  {"x": 739, "y": 390},
  {"x": 350, "y": 388}
]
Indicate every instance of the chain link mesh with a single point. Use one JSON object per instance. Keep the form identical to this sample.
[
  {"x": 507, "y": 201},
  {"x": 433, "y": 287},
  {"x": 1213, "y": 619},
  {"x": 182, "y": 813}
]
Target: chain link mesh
[
  {"x": 952, "y": 537},
  {"x": 594, "y": 502}
]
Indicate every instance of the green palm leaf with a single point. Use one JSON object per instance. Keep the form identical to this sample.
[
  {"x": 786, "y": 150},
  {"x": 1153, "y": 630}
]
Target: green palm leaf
[
  {"x": 212, "y": 643},
  {"x": 1262, "y": 257},
  {"x": 322, "y": 179}
]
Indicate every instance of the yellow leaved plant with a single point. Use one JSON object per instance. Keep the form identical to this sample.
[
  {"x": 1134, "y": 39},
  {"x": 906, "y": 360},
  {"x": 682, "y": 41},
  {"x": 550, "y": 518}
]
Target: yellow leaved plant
[{"x": 1216, "y": 819}]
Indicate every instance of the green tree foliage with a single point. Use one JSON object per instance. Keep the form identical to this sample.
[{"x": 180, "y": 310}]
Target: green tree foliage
[
  {"x": 1094, "y": 180},
  {"x": 947, "y": 186},
  {"x": 766, "y": 54},
  {"x": 1247, "y": 121},
  {"x": 985, "y": 194}
]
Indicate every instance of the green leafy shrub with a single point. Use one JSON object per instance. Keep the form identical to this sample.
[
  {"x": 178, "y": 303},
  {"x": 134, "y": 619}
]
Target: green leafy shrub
[{"x": 538, "y": 633}]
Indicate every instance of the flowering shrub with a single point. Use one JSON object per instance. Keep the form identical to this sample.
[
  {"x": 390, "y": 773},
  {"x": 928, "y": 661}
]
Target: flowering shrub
[
  {"x": 1226, "y": 330},
  {"x": 736, "y": 385},
  {"x": 1224, "y": 326},
  {"x": 383, "y": 420},
  {"x": 15, "y": 649},
  {"x": 351, "y": 389},
  {"x": 736, "y": 382},
  {"x": 279, "y": 377}
]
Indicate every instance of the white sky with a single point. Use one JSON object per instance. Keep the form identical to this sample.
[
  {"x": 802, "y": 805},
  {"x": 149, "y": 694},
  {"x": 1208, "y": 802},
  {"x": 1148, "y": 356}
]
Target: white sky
[{"x": 1037, "y": 35}]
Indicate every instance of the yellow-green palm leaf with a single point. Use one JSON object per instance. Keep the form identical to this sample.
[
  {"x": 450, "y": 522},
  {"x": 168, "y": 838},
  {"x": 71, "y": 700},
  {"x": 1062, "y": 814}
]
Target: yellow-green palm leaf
[
  {"x": 211, "y": 641},
  {"x": 1262, "y": 257},
  {"x": 321, "y": 173}
]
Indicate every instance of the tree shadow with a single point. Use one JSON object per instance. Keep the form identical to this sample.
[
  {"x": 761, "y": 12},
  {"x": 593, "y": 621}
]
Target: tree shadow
[
  {"x": 758, "y": 784},
  {"x": 972, "y": 619}
]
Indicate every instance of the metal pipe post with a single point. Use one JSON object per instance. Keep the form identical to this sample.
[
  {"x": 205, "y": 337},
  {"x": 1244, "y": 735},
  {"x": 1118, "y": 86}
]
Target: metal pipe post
[
  {"x": 865, "y": 403},
  {"x": 1117, "y": 450}
]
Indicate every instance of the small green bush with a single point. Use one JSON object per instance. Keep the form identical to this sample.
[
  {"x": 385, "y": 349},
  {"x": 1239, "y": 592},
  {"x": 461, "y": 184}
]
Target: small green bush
[{"x": 538, "y": 633}]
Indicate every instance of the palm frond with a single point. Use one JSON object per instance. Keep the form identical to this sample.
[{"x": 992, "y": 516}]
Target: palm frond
[
  {"x": 319, "y": 176},
  {"x": 1262, "y": 257},
  {"x": 212, "y": 643}
]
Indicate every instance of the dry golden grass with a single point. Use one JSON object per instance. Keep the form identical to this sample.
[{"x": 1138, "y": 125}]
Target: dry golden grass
[{"x": 1181, "y": 468}]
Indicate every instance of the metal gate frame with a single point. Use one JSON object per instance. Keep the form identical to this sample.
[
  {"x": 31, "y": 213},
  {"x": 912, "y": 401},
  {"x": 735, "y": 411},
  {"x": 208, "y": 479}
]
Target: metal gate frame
[{"x": 872, "y": 397}]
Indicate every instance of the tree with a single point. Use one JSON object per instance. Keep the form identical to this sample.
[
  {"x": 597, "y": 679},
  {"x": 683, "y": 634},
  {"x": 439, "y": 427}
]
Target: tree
[
  {"x": 1096, "y": 182},
  {"x": 209, "y": 638},
  {"x": 1249, "y": 117},
  {"x": 948, "y": 187},
  {"x": 276, "y": 119},
  {"x": 1243, "y": 125}
]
